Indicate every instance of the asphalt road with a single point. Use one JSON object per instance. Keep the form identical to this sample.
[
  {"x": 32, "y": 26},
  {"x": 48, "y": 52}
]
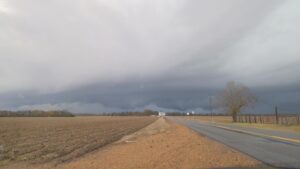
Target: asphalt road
[{"x": 276, "y": 148}]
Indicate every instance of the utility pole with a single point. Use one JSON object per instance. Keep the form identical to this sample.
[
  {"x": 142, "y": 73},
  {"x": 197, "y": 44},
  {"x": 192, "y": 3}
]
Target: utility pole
[{"x": 210, "y": 107}]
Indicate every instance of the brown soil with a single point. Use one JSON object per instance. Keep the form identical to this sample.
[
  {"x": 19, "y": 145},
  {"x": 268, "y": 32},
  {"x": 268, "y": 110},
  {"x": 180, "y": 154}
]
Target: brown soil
[
  {"x": 163, "y": 145},
  {"x": 57, "y": 139}
]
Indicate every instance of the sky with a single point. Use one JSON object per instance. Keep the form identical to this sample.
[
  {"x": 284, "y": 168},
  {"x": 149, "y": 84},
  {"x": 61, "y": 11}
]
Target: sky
[{"x": 91, "y": 56}]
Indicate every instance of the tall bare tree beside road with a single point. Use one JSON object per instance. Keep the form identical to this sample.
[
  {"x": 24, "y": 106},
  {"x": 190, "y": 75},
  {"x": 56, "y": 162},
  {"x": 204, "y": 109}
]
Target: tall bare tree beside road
[{"x": 234, "y": 98}]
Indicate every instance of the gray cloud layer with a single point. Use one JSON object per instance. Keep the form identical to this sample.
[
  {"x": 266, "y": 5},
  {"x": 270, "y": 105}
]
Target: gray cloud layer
[{"x": 114, "y": 55}]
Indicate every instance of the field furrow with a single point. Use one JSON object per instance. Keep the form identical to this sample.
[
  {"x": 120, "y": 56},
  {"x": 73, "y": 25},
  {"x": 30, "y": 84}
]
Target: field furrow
[{"x": 39, "y": 140}]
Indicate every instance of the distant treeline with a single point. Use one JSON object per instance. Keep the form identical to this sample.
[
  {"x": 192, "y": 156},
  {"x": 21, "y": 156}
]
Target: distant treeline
[
  {"x": 35, "y": 113},
  {"x": 146, "y": 112}
]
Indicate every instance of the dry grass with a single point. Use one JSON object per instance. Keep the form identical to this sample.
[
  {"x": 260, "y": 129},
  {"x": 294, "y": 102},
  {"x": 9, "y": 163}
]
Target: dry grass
[
  {"x": 38, "y": 140},
  {"x": 288, "y": 128},
  {"x": 218, "y": 119}
]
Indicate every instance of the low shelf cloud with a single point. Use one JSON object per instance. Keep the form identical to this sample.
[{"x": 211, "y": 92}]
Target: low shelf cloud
[{"x": 114, "y": 55}]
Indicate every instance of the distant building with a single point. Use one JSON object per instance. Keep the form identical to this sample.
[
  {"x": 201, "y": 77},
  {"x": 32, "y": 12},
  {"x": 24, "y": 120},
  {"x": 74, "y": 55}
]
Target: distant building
[{"x": 161, "y": 114}]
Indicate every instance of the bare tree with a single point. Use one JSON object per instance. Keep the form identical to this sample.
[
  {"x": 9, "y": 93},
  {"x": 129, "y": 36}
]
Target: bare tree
[{"x": 235, "y": 98}]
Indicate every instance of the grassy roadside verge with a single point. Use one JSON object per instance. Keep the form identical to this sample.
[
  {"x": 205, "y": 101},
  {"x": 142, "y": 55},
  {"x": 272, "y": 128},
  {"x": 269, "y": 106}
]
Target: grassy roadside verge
[
  {"x": 228, "y": 120},
  {"x": 288, "y": 128}
]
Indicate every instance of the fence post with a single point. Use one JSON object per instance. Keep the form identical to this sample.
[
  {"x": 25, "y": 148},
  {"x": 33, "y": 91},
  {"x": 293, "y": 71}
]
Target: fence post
[
  {"x": 260, "y": 118},
  {"x": 250, "y": 119},
  {"x": 279, "y": 120},
  {"x": 276, "y": 114},
  {"x": 298, "y": 119}
]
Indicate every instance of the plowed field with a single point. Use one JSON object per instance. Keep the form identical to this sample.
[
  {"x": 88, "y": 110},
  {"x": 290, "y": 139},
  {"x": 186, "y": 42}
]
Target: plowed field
[{"x": 57, "y": 140}]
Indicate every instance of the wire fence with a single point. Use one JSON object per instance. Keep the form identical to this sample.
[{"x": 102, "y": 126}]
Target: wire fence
[{"x": 287, "y": 119}]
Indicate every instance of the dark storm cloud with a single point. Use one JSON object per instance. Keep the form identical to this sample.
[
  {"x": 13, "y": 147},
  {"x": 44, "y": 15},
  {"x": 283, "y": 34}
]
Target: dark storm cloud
[{"x": 113, "y": 55}]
